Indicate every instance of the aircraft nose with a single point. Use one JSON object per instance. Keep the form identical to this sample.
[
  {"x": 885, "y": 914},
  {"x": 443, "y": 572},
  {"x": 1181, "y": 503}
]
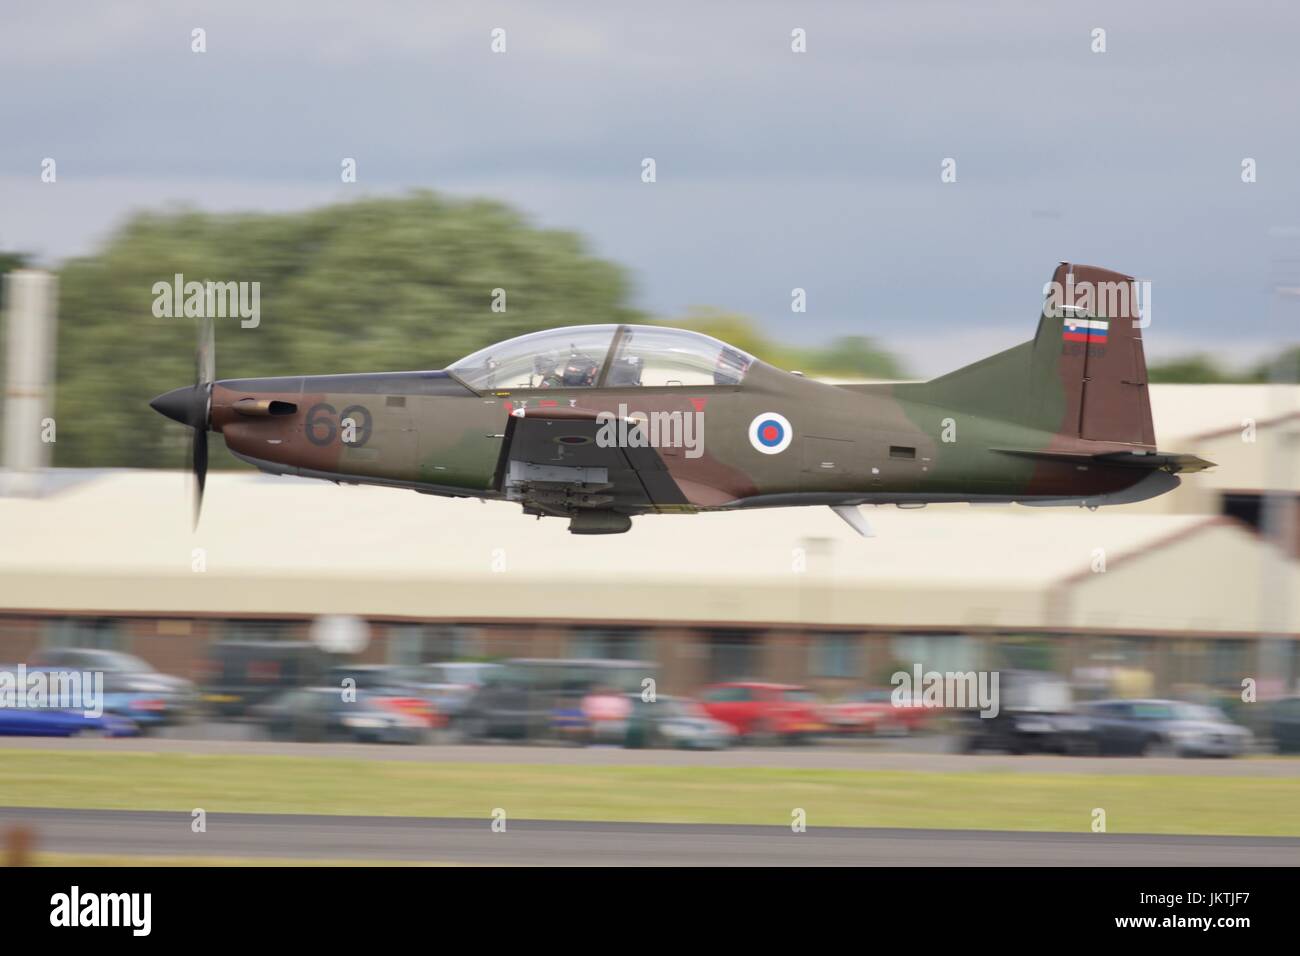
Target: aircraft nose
[{"x": 178, "y": 404}]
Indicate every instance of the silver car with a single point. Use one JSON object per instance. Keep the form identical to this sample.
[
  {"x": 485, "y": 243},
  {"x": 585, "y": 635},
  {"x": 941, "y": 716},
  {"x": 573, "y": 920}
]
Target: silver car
[
  {"x": 675, "y": 722},
  {"x": 1164, "y": 728}
]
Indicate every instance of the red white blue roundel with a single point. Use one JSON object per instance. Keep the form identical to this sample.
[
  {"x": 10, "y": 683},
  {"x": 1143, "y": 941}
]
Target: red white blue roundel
[{"x": 770, "y": 433}]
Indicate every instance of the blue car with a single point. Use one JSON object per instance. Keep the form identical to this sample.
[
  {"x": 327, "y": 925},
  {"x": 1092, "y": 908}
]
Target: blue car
[{"x": 45, "y": 722}]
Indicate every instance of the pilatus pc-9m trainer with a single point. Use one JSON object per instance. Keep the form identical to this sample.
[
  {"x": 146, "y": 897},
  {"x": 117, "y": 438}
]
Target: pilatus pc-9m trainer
[{"x": 599, "y": 423}]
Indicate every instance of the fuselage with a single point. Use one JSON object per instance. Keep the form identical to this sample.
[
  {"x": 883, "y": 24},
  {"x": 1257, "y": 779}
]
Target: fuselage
[{"x": 870, "y": 443}]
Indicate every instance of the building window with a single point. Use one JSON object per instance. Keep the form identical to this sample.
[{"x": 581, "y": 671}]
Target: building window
[
  {"x": 733, "y": 655},
  {"x": 101, "y": 633},
  {"x": 834, "y": 655},
  {"x": 617, "y": 644},
  {"x": 252, "y": 630},
  {"x": 935, "y": 652},
  {"x": 1025, "y": 653},
  {"x": 501, "y": 641},
  {"x": 428, "y": 643},
  {"x": 1228, "y": 662}
]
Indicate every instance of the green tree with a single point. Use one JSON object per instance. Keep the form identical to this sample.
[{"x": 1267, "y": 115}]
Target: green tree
[
  {"x": 853, "y": 356},
  {"x": 1282, "y": 368},
  {"x": 1190, "y": 369},
  {"x": 1204, "y": 369},
  {"x": 9, "y": 261}
]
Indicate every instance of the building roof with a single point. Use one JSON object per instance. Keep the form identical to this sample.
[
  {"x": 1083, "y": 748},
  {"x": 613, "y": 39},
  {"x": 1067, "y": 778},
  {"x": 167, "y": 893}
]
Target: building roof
[
  {"x": 1187, "y": 412},
  {"x": 120, "y": 542}
]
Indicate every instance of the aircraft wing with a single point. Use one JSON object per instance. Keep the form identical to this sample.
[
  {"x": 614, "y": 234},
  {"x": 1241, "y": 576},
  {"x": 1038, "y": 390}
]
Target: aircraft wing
[{"x": 554, "y": 461}]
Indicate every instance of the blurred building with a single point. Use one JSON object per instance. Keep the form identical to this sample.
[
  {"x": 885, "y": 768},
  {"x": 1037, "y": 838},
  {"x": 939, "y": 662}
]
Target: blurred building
[
  {"x": 1253, "y": 433},
  {"x": 1182, "y": 594}
]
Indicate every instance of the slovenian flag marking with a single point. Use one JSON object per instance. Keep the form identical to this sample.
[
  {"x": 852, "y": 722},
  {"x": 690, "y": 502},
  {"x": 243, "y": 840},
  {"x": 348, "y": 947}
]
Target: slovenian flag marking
[{"x": 1086, "y": 330}]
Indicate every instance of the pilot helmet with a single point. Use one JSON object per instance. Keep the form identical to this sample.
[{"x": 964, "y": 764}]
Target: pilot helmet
[{"x": 579, "y": 370}]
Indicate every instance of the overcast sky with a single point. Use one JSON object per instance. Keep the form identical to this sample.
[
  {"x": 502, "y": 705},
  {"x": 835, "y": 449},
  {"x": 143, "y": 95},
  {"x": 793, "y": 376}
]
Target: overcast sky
[{"x": 775, "y": 169}]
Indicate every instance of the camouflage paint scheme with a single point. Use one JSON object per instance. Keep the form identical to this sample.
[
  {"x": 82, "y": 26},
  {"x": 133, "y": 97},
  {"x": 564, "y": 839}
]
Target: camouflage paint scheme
[{"x": 1050, "y": 421}]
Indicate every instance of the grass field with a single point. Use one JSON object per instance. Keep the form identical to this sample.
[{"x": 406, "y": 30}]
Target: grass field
[{"x": 968, "y": 800}]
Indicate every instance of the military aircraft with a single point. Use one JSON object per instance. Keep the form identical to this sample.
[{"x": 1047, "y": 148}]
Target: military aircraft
[{"x": 599, "y": 423}]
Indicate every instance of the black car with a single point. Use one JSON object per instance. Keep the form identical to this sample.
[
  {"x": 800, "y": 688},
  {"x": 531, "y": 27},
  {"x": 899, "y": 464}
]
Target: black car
[
  {"x": 1284, "y": 724},
  {"x": 242, "y": 674},
  {"x": 1034, "y": 715}
]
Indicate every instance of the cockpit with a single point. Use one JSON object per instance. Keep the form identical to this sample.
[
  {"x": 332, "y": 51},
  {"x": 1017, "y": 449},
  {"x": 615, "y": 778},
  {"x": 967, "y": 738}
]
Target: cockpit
[{"x": 604, "y": 356}]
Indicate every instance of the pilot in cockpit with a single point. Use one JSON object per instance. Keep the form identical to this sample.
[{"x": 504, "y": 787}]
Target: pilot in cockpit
[{"x": 577, "y": 371}]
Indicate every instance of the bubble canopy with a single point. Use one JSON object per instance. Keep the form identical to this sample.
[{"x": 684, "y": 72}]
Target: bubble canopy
[{"x": 604, "y": 356}]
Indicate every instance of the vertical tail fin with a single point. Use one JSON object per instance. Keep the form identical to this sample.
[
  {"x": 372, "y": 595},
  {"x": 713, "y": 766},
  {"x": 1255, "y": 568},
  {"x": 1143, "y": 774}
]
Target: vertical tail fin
[
  {"x": 1090, "y": 336},
  {"x": 1084, "y": 374}
]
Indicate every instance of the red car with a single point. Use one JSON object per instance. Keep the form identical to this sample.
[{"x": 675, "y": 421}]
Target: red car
[
  {"x": 874, "y": 712},
  {"x": 756, "y": 710}
]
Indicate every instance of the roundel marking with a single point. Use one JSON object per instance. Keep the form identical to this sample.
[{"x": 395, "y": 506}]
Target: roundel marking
[{"x": 770, "y": 433}]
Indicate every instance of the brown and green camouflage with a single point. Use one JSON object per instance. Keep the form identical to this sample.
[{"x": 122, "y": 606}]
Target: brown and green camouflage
[{"x": 1061, "y": 419}]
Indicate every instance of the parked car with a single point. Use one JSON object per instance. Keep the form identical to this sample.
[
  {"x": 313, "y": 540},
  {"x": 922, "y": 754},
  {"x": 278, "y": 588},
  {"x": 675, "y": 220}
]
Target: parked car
[
  {"x": 388, "y": 687},
  {"x": 322, "y": 714},
  {"x": 1034, "y": 715},
  {"x": 763, "y": 712},
  {"x": 874, "y": 712},
  {"x": 239, "y": 675},
  {"x": 49, "y": 722},
  {"x": 1164, "y": 728},
  {"x": 133, "y": 688},
  {"x": 542, "y": 698},
  {"x": 372, "y": 678},
  {"x": 675, "y": 722},
  {"x": 1284, "y": 724},
  {"x": 449, "y": 686}
]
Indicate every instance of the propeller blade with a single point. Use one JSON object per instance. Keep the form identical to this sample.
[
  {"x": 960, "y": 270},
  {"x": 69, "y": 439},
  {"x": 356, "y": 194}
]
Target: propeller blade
[
  {"x": 199, "y": 455},
  {"x": 205, "y": 353}
]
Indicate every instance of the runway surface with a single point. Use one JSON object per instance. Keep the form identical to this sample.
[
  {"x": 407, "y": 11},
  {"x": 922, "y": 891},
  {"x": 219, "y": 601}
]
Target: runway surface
[
  {"x": 552, "y": 843},
  {"x": 925, "y": 757}
]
